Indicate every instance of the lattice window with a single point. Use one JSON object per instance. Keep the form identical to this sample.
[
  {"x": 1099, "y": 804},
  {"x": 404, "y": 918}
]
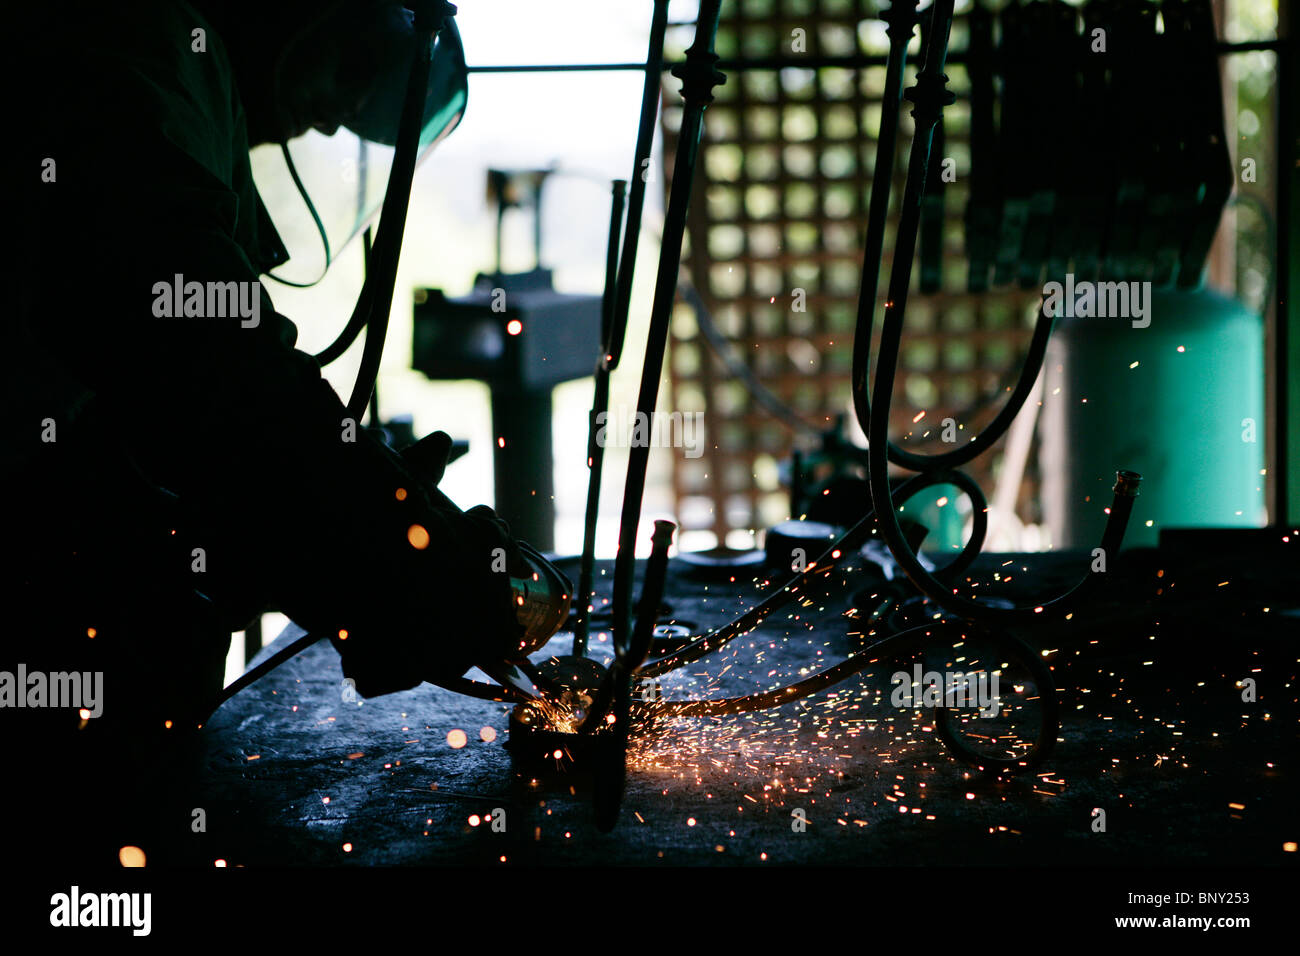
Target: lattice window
[{"x": 780, "y": 205}]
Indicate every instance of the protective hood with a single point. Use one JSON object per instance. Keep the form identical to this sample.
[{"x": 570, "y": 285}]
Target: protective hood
[{"x": 323, "y": 188}]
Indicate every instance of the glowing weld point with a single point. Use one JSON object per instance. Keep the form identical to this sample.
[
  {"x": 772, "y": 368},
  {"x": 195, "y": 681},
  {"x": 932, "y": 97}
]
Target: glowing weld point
[
  {"x": 91, "y": 632},
  {"x": 474, "y": 819},
  {"x": 347, "y": 848},
  {"x": 501, "y": 442},
  {"x": 131, "y": 856},
  {"x": 514, "y": 327},
  {"x": 84, "y": 714},
  {"x": 343, "y": 634},
  {"x": 488, "y": 734},
  {"x": 219, "y": 864},
  {"x": 400, "y": 494},
  {"x": 456, "y": 739},
  {"x": 418, "y": 535}
]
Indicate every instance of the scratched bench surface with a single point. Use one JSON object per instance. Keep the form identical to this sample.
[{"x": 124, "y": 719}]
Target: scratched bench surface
[{"x": 1154, "y": 731}]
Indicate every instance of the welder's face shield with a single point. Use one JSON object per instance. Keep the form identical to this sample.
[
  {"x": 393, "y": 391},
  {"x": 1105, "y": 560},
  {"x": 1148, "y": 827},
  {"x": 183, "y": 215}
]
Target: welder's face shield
[{"x": 340, "y": 87}]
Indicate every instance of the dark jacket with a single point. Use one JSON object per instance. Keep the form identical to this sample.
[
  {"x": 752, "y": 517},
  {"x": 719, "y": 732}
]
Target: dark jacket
[{"x": 176, "y": 434}]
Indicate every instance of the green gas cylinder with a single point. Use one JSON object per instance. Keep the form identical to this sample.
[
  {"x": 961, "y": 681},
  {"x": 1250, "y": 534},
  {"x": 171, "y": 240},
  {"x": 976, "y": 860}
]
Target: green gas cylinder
[{"x": 1179, "y": 400}]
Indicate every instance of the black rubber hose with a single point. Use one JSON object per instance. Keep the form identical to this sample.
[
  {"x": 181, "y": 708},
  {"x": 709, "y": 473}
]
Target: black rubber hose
[
  {"x": 360, "y": 314},
  {"x": 392, "y": 225}
]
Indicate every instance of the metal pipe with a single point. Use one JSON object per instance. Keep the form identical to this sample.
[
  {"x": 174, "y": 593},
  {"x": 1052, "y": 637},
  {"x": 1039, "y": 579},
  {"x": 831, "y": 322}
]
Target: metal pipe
[
  {"x": 809, "y": 61},
  {"x": 652, "y": 593},
  {"x": 929, "y": 96},
  {"x": 1286, "y": 317},
  {"x": 615, "y": 689},
  {"x": 902, "y": 19},
  {"x": 599, "y": 405},
  {"x": 616, "y": 309},
  {"x": 810, "y": 685},
  {"x": 699, "y": 77},
  {"x": 837, "y": 552},
  {"x": 645, "y": 138}
]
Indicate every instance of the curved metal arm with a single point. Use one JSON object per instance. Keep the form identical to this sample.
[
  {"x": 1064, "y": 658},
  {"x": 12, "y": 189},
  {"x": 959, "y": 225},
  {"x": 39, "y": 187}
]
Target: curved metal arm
[
  {"x": 837, "y": 552},
  {"x": 804, "y": 688},
  {"x": 902, "y": 18},
  {"x": 929, "y": 96}
]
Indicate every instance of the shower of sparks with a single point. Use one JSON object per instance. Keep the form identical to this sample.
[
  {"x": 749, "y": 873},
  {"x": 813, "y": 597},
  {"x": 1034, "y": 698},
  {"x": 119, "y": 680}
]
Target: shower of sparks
[
  {"x": 857, "y": 759},
  {"x": 832, "y": 748}
]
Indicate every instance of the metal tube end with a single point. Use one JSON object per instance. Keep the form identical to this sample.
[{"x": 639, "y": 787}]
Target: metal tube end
[{"x": 1126, "y": 483}]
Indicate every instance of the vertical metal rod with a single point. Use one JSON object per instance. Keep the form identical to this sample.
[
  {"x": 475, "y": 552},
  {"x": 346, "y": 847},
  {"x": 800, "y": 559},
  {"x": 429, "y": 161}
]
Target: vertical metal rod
[
  {"x": 611, "y": 777},
  {"x": 652, "y": 593},
  {"x": 1286, "y": 321},
  {"x": 599, "y": 405},
  {"x": 616, "y": 319},
  {"x": 640, "y": 176},
  {"x": 902, "y": 17},
  {"x": 699, "y": 76}
]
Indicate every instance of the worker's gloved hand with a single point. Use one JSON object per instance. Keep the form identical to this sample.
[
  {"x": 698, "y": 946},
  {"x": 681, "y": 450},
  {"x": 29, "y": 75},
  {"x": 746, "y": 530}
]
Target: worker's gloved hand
[
  {"x": 447, "y": 604},
  {"x": 428, "y": 458}
]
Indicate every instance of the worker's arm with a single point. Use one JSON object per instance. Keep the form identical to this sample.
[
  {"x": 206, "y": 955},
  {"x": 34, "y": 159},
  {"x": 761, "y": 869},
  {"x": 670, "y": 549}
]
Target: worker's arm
[{"x": 293, "y": 503}]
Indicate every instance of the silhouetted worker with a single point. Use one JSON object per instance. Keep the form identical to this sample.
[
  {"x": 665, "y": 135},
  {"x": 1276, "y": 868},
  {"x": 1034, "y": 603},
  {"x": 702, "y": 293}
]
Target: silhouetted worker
[{"x": 166, "y": 478}]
